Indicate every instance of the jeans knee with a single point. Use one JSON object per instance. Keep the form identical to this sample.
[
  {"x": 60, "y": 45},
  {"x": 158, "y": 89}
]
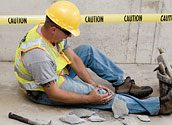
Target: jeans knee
[{"x": 87, "y": 48}]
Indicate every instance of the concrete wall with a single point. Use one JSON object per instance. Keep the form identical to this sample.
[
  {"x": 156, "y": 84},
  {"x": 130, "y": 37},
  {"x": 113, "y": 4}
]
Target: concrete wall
[{"x": 121, "y": 42}]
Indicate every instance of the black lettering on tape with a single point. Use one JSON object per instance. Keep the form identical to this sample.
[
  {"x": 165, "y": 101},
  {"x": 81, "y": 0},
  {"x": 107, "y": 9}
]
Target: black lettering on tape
[
  {"x": 133, "y": 18},
  {"x": 94, "y": 19},
  {"x": 17, "y": 20},
  {"x": 164, "y": 18}
]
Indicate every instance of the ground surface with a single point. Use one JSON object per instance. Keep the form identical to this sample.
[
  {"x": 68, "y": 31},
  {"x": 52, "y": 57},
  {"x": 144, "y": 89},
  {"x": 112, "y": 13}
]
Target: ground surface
[{"x": 12, "y": 99}]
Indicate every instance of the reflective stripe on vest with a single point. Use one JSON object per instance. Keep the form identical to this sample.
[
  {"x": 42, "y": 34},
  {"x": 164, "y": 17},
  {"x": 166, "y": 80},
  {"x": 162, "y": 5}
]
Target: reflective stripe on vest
[
  {"x": 30, "y": 86},
  {"x": 29, "y": 78},
  {"x": 31, "y": 41}
]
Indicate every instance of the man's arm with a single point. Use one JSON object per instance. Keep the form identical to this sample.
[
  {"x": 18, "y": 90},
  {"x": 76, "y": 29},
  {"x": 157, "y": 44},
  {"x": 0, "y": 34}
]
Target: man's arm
[
  {"x": 64, "y": 96},
  {"x": 80, "y": 69},
  {"x": 78, "y": 66}
]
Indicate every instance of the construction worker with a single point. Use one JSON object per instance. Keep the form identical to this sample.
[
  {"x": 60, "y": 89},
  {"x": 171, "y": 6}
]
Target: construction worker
[{"x": 45, "y": 67}]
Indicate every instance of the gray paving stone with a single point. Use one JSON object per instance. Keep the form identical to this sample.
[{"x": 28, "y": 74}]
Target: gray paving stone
[
  {"x": 96, "y": 118},
  {"x": 71, "y": 119},
  {"x": 82, "y": 113},
  {"x": 119, "y": 108},
  {"x": 143, "y": 118}
]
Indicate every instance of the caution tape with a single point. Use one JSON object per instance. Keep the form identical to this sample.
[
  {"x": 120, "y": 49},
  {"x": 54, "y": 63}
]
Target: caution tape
[
  {"x": 93, "y": 18},
  {"x": 123, "y": 18},
  {"x": 21, "y": 19}
]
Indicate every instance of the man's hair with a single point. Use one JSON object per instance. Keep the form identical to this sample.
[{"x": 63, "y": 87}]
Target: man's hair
[{"x": 49, "y": 22}]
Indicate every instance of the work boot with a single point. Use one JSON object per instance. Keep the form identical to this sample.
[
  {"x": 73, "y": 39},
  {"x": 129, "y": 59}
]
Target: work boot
[
  {"x": 129, "y": 87},
  {"x": 166, "y": 104}
]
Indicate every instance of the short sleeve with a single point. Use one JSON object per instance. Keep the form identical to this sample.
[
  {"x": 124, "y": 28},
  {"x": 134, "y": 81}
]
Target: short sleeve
[
  {"x": 66, "y": 44},
  {"x": 40, "y": 65}
]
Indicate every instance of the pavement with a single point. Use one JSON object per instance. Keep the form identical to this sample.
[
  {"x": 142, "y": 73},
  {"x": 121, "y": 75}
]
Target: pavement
[{"x": 13, "y": 100}]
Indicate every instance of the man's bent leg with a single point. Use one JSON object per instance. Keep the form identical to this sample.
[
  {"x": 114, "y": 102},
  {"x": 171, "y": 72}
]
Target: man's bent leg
[
  {"x": 100, "y": 64},
  {"x": 106, "y": 69}
]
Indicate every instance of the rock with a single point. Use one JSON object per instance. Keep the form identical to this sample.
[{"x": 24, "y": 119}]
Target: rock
[
  {"x": 130, "y": 121},
  {"x": 119, "y": 108},
  {"x": 72, "y": 119},
  {"x": 82, "y": 113},
  {"x": 96, "y": 118},
  {"x": 143, "y": 118}
]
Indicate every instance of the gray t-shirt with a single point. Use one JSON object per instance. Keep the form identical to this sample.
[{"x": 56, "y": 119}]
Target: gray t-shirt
[{"x": 40, "y": 65}]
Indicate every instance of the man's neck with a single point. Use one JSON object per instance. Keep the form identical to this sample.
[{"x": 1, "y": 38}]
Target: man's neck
[{"x": 46, "y": 34}]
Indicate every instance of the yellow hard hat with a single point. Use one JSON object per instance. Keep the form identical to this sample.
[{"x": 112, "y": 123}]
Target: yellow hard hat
[{"x": 66, "y": 15}]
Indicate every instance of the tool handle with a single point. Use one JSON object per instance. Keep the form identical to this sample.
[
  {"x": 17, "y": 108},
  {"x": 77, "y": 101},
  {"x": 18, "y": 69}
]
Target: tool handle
[
  {"x": 19, "y": 118},
  {"x": 22, "y": 119}
]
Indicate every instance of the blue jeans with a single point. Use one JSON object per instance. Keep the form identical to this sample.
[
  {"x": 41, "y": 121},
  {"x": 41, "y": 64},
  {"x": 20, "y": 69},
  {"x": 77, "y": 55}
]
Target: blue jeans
[{"x": 106, "y": 69}]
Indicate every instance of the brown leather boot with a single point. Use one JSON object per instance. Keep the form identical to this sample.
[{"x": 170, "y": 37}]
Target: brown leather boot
[
  {"x": 129, "y": 87},
  {"x": 166, "y": 104}
]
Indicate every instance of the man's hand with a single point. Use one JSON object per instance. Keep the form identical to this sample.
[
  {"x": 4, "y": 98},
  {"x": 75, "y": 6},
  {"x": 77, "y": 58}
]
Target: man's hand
[
  {"x": 95, "y": 98},
  {"x": 110, "y": 92}
]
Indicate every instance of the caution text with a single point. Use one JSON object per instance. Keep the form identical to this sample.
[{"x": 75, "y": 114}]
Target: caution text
[
  {"x": 17, "y": 20},
  {"x": 133, "y": 18},
  {"x": 94, "y": 19},
  {"x": 166, "y": 18}
]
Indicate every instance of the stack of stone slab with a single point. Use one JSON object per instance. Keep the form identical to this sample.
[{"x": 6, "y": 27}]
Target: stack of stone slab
[{"x": 164, "y": 74}]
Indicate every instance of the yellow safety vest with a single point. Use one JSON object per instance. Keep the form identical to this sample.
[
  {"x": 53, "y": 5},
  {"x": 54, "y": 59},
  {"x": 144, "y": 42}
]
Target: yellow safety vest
[{"x": 32, "y": 40}]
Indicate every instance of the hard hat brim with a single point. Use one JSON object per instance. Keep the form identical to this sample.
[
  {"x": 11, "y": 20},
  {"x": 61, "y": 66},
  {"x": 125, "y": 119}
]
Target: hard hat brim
[{"x": 75, "y": 32}]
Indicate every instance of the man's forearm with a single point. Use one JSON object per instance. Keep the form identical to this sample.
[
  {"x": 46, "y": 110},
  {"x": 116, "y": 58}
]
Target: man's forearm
[
  {"x": 78, "y": 66},
  {"x": 64, "y": 96},
  {"x": 81, "y": 71},
  {"x": 70, "y": 97}
]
